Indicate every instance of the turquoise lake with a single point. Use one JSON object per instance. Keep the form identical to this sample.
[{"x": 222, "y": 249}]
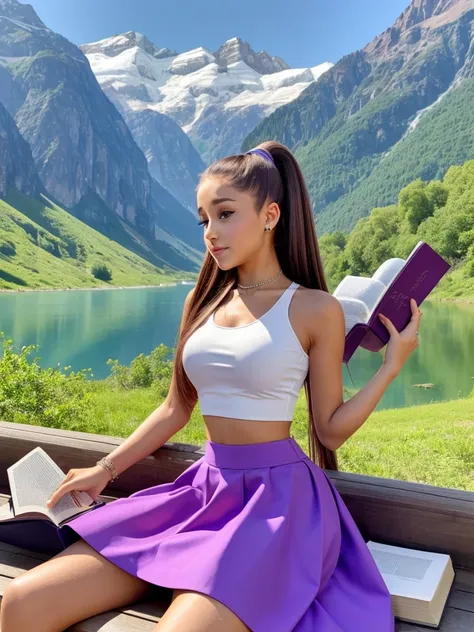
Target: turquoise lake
[{"x": 84, "y": 328}]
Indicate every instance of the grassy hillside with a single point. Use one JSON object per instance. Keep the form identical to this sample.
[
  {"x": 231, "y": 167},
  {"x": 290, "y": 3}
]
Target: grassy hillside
[
  {"x": 43, "y": 246},
  {"x": 399, "y": 109},
  {"x": 444, "y": 136}
]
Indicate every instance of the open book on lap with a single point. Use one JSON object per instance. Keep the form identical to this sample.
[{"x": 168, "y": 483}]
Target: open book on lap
[
  {"x": 25, "y": 520},
  {"x": 387, "y": 291}
]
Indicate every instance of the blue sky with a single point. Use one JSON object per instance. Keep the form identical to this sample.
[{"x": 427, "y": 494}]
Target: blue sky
[{"x": 302, "y": 32}]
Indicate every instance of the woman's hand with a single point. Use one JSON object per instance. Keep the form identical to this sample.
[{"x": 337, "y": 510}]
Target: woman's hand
[
  {"x": 89, "y": 479},
  {"x": 403, "y": 343}
]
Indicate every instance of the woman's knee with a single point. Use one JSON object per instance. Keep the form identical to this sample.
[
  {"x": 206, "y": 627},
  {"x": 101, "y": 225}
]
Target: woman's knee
[{"x": 20, "y": 608}]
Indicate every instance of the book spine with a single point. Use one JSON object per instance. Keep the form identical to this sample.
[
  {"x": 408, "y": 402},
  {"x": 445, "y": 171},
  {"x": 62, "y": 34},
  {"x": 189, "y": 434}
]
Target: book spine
[{"x": 353, "y": 340}]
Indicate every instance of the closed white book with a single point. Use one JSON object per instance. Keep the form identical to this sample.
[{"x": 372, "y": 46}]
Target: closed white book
[{"x": 419, "y": 581}]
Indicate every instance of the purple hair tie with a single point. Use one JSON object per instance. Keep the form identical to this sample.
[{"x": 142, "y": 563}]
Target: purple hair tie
[{"x": 264, "y": 153}]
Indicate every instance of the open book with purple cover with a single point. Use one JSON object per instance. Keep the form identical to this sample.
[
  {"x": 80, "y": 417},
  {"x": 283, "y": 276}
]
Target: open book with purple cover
[
  {"x": 25, "y": 520},
  {"x": 387, "y": 291}
]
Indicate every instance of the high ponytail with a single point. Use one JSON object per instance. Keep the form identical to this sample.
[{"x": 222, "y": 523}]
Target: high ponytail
[{"x": 296, "y": 247}]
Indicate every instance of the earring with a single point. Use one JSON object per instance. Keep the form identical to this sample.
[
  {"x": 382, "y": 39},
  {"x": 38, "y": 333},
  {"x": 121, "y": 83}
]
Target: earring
[{"x": 268, "y": 227}]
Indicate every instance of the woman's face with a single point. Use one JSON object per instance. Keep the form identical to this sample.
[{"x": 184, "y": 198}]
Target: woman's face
[{"x": 231, "y": 222}]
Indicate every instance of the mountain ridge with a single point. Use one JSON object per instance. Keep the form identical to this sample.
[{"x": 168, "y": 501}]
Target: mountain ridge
[
  {"x": 342, "y": 136},
  {"x": 216, "y": 98},
  {"x": 81, "y": 144}
]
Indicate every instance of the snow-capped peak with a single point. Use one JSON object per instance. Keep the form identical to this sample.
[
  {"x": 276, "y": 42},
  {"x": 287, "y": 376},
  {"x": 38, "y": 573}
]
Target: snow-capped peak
[
  {"x": 113, "y": 46},
  {"x": 236, "y": 49},
  {"x": 215, "y": 97}
]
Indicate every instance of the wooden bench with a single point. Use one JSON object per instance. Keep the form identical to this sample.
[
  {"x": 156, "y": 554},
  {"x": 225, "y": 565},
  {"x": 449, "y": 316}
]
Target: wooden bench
[{"x": 390, "y": 511}]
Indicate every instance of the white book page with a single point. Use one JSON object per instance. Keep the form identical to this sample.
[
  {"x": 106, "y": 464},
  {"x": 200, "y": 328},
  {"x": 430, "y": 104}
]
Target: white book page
[
  {"x": 409, "y": 573},
  {"x": 32, "y": 481},
  {"x": 359, "y": 296},
  {"x": 355, "y": 311},
  {"x": 364, "y": 289},
  {"x": 389, "y": 269}
]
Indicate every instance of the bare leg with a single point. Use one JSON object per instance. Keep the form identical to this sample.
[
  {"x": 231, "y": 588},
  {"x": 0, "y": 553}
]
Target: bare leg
[
  {"x": 195, "y": 612},
  {"x": 73, "y": 585}
]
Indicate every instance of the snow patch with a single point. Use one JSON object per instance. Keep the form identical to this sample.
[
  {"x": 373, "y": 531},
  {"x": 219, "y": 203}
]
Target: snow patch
[
  {"x": 182, "y": 86},
  {"x": 194, "y": 86}
]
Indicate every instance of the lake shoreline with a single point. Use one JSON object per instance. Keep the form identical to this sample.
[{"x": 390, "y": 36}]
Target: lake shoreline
[
  {"x": 101, "y": 287},
  {"x": 454, "y": 299}
]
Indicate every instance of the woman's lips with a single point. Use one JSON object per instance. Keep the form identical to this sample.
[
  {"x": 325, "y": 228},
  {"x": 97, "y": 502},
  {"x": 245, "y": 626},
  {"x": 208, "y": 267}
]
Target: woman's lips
[{"x": 219, "y": 251}]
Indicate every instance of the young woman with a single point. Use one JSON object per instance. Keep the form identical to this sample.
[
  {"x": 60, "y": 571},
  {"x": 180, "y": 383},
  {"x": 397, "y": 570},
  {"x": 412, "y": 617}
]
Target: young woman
[{"x": 254, "y": 535}]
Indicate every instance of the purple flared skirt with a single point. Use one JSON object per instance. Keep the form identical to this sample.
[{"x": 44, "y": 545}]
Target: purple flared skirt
[{"x": 260, "y": 528}]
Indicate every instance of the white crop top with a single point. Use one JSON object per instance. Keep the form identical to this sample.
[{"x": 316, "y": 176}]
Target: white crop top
[{"x": 254, "y": 371}]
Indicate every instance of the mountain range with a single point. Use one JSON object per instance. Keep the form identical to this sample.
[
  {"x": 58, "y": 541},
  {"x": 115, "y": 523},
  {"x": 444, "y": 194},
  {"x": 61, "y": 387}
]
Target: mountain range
[
  {"x": 83, "y": 151},
  {"x": 397, "y": 110},
  {"x": 117, "y": 132},
  {"x": 215, "y": 98}
]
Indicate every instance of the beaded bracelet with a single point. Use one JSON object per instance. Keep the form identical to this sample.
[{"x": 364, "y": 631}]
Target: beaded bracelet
[{"x": 107, "y": 464}]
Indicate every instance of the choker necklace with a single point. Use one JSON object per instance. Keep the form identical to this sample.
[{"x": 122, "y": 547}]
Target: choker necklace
[{"x": 248, "y": 287}]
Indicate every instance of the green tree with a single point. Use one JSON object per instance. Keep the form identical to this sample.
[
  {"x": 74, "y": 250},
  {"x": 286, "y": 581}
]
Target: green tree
[
  {"x": 437, "y": 194},
  {"x": 415, "y": 203},
  {"x": 373, "y": 240},
  {"x": 101, "y": 271}
]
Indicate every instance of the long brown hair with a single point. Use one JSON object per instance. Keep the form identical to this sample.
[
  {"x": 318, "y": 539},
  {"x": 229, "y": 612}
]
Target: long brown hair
[{"x": 296, "y": 248}]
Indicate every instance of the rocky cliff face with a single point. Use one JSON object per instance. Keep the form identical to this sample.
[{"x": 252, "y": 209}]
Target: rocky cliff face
[
  {"x": 80, "y": 143},
  {"x": 78, "y": 139},
  {"x": 17, "y": 167},
  {"x": 172, "y": 159},
  {"x": 415, "y": 27},
  {"x": 345, "y": 126},
  {"x": 236, "y": 49}
]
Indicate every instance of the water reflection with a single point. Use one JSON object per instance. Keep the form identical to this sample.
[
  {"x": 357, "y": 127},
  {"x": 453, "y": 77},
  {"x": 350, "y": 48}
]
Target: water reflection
[
  {"x": 444, "y": 358},
  {"x": 86, "y": 328}
]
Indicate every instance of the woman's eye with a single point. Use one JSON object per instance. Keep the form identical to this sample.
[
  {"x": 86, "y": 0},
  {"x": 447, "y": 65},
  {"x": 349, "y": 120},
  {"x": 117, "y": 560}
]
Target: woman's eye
[{"x": 205, "y": 221}]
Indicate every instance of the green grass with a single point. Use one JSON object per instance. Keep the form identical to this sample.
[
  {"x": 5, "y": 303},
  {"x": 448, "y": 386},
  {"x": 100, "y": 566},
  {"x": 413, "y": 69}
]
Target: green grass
[
  {"x": 56, "y": 250},
  {"x": 456, "y": 285},
  {"x": 431, "y": 444}
]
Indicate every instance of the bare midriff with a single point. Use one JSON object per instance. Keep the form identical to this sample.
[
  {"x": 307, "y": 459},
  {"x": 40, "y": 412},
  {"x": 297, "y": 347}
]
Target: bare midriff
[{"x": 244, "y": 431}]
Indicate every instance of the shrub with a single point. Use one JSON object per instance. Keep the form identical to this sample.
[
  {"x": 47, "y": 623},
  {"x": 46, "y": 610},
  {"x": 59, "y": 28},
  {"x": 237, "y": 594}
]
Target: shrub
[
  {"x": 144, "y": 371},
  {"x": 470, "y": 268},
  {"x": 101, "y": 272},
  {"x": 44, "y": 397},
  {"x": 49, "y": 244},
  {"x": 7, "y": 247}
]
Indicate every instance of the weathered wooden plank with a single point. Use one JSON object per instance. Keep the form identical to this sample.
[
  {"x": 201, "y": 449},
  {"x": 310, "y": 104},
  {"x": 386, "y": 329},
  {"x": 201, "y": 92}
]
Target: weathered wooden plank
[
  {"x": 411, "y": 514},
  {"x": 142, "y": 616},
  {"x": 465, "y": 580},
  {"x": 386, "y": 510},
  {"x": 79, "y": 449},
  {"x": 453, "y": 620},
  {"x": 112, "y": 621}
]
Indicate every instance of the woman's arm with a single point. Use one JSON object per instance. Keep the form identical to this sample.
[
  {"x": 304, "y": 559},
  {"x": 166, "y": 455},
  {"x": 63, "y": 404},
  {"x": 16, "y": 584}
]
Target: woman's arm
[
  {"x": 158, "y": 427},
  {"x": 335, "y": 419}
]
